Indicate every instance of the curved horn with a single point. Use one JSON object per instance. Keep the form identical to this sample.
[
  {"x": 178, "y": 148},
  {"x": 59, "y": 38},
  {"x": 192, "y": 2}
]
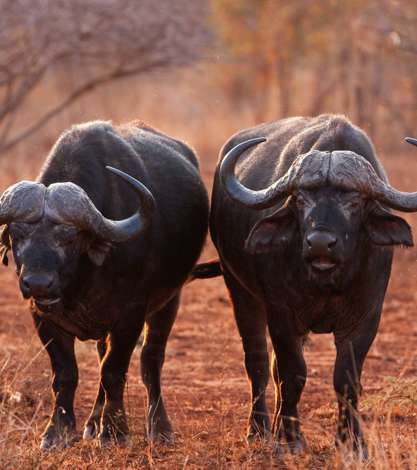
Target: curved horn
[
  {"x": 68, "y": 202},
  {"x": 357, "y": 173},
  {"x": 23, "y": 201},
  {"x": 411, "y": 140},
  {"x": 399, "y": 200},
  {"x": 308, "y": 170},
  {"x": 131, "y": 227},
  {"x": 237, "y": 191}
]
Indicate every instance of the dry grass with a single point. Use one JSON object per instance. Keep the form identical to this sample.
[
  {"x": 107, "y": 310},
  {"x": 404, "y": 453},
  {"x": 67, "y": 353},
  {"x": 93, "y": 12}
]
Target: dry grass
[{"x": 209, "y": 419}]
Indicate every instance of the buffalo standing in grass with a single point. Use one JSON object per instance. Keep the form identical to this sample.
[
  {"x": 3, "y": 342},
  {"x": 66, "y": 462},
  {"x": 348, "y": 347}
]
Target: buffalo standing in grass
[
  {"x": 305, "y": 241},
  {"x": 90, "y": 275}
]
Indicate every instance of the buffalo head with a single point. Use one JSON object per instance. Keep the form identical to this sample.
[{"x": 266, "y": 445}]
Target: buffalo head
[
  {"x": 327, "y": 202},
  {"x": 50, "y": 228}
]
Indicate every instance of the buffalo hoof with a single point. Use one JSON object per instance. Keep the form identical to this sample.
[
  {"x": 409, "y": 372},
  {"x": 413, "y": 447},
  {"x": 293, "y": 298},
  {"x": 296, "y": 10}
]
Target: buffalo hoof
[
  {"x": 350, "y": 457},
  {"x": 114, "y": 428},
  {"x": 91, "y": 431},
  {"x": 60, "y": 431},
  {"x": 289, "y": 430},
  {"x": 356, "y": 450},
  {"x": 121, "y": 440},
  {"x": 259, "y": 430},
  {"x": 254, "y": 437},
  {"x": 52, "y": 439},
  {"x": 109, "y": 437},
  {"x": 160, "y": 432},
  {"x": 296, "y": 446},
  {"x": 362, "y": 452}
]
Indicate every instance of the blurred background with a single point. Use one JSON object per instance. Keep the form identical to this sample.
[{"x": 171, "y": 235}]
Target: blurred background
[{"x": 202, "y": 69}]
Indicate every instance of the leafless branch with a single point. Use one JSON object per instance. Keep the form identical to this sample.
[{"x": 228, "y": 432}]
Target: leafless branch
[
  {"x": 99, "y": 40},
  {"x": 74, "y": 96}
]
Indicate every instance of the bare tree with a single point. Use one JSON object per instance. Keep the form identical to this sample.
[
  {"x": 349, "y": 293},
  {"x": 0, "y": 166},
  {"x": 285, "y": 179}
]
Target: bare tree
[{"x": 99, "y": 40}]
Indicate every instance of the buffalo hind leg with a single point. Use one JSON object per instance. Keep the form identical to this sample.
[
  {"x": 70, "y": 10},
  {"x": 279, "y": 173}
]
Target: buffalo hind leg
[
  {"x": 60, "y": 431},
  {"x": 114, "y": 366},
  {"x": 92, "y": 425},
  {"x": 251, "y": 323},
  {"x": 157, "y": 329},
  {"x": 289, "y": 372}
]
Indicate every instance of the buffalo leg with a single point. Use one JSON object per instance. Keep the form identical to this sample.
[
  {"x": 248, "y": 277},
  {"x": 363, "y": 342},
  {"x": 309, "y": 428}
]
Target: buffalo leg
[
  {"x": 251, "y": 323},
  {"x": 92, "y": 426},
  {"x": 121, "y": 343},
  {"x": 350, "y": 357},
  {"x": 157, "y": 329},
  {"x": 289, "y": 372},
  {"x": 60, "y": 431}
]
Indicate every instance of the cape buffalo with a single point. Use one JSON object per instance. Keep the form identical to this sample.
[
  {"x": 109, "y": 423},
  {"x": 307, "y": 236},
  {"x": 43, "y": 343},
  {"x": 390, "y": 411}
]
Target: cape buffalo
[
  {"x": 90, "y": 275},
  {"x": 305, "y": 241}
]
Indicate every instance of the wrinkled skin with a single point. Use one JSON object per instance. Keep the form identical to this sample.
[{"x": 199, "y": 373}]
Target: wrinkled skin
[
  {"x": 320, "y": 262},
  {"x": 82, "y": 286},
  {"x": 335, "y": 216},
  {"x": 46, "y": 249},
  {"x": 327, "y": 223}
]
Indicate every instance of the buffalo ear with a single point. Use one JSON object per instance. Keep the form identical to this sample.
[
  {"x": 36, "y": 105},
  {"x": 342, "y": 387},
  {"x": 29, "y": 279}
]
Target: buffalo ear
[
  {"x": 272, "y": 232},
  {"x": 98, "y": 251},
  {"x": 4, "y": 245},
  {"x": 386, "y": 229}
]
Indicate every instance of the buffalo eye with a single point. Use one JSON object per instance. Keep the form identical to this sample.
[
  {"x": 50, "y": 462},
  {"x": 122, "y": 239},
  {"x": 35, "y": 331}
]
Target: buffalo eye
[
  {"x": 301, "y": 201},
  {"x": 353, "y": 203},
  {"x": 19, "y": 231},
  {"x": 305, "y": 200},
  {"x": 65, "y": 234}
]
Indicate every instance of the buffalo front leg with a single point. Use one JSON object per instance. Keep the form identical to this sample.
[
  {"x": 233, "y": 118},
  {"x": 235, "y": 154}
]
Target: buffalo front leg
[
  {"x": 251, "y": 322},
  {"x": 157, "y": 329},
  {"x": 350, "y": 357},
  {"x": 121, "y": 343},
  {"x": 60, "y": 430},
  {"x": 92, "y": 425},
  {"x": 289, "y": 371}
]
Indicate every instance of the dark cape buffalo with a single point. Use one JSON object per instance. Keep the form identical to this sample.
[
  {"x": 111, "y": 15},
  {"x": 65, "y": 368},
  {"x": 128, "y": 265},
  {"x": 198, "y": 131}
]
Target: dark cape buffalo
[
  {"x": 95, "y": 271},
  {"x": 305, "y": 240}
]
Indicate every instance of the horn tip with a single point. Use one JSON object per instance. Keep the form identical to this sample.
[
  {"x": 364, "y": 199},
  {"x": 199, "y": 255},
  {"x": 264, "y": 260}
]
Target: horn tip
[
  {"x": 113, "y": 170},
  {"x": 148, "y": 197},
  {"x": 411, "y": 140}
]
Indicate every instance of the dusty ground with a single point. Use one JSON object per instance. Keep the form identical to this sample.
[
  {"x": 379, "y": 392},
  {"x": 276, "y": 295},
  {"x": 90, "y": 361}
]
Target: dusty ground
[{"x": 205, "y": 386}]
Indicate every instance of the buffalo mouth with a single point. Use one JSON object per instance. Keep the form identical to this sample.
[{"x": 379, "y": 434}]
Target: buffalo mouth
[
  {"x": 48, "y": 304},
  {"x": 322, "y": 264}
]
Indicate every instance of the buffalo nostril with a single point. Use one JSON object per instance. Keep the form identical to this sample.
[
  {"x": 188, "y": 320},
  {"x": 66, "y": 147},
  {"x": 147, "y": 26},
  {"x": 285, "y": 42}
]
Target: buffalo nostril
[
  {"x": 37, "y": 284},
  {"x": 321, "y": 242},
  {"x": 331, "y": 243}
]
